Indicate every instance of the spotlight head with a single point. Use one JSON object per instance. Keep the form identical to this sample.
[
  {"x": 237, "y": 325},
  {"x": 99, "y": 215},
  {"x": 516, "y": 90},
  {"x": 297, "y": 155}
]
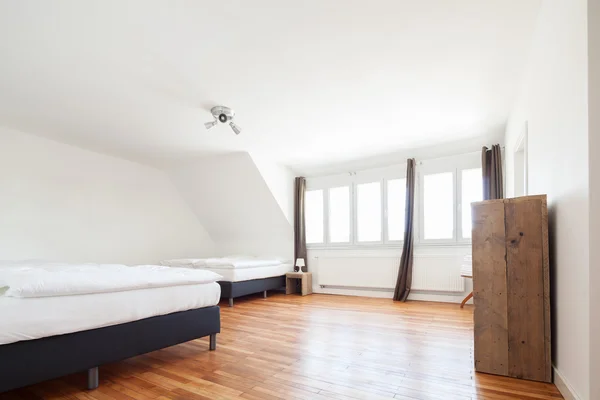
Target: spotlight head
[
  {"x": 223, "y": 118},
  {"x": 235, "y": 128},
  {"x": 210, "y": 124}
]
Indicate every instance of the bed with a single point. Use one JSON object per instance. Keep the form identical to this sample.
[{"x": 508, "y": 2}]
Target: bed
[
  {"x": 51, "y": 336},
  {"x": 241, "y": 275}
]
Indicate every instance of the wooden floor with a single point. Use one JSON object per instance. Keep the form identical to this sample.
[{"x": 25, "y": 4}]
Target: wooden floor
[{"x": 313, "y": 347}]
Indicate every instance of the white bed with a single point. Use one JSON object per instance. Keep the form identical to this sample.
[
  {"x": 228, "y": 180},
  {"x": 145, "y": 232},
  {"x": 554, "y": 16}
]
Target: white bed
[
  {"x": 38, "y": 317},
  {"x": 42, "y": 300},
  {"x": 241, "y": 275},
  {"x": 247, "y": 274},
  {"x": 236, "y": 268},
  {"x": 58, "y": 319}
]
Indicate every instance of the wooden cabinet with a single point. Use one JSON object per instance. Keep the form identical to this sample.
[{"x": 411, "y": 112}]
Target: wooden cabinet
[{"x": 511, "y": 289}]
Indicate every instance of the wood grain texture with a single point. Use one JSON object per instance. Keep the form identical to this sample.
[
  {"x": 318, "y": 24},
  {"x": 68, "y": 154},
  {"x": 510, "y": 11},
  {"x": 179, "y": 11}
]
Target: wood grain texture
[
  {"x": 490, "y": 288},
  {"x": 295, "y": 279},
  {"x": 526, "y": 287},
  {"x": 527, "y": 358},
  {"x": 314, "y": 347}
]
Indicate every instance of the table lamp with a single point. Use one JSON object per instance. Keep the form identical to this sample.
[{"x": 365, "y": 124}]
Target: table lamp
[{"x": 299, "y": 264}]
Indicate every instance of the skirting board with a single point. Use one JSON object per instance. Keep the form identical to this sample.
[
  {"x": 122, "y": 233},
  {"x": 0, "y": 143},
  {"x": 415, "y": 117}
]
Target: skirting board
[{"x": 564, "y": 387}]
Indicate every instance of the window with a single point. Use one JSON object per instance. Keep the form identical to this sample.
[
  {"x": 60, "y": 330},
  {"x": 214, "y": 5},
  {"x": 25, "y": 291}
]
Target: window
[
  {"x": 471, "y": 190},
  {"x": 367, "y": 208},
  {"x": 368, "y": 212},
  {"x": 396, "y": 204},
  {"x": 339, "y": 214},
  {"x": 314, "y": 216},
  {"x": 438, "y": 206}
]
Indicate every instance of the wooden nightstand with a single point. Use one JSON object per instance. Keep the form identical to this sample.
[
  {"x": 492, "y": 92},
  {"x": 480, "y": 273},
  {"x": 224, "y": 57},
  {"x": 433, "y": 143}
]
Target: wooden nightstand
[{"x": 291, "y": 282}]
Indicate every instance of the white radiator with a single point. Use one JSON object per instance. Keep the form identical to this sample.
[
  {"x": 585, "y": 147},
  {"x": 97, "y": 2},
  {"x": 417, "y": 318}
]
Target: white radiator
[{"x": 440, "y": 273}]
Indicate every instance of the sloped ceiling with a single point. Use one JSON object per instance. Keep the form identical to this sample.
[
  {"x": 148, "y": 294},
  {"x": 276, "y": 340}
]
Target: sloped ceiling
[
  {"x": 312, "y": 81},
  {"x": 235, "y": 205}
]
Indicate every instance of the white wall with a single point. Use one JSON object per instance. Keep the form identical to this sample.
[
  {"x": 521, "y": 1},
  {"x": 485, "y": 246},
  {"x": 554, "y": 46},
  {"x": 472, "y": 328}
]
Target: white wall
[
  {"x": 63, "y": 203},
  {"x": 594, "y": 126},
  {"x": 235, "y": 205},
  {"x": 280, "y": 180},
  {"x": 554, "y": 102}
]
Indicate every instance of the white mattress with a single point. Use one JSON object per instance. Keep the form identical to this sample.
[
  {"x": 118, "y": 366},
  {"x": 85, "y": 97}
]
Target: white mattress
[
  {"x": 246, "y": 274},
  {"x": 34, "y": 318}
]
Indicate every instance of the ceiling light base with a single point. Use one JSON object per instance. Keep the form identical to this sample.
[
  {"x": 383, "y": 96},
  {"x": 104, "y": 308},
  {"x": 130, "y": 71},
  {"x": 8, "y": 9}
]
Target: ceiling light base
[{"x": 223, "y": 114}]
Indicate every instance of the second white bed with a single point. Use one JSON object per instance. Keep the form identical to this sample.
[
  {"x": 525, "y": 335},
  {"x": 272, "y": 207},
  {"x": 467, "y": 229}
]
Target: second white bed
[
  {"x": 236, "y": 268},
  {"x": 247, "y": 274}
]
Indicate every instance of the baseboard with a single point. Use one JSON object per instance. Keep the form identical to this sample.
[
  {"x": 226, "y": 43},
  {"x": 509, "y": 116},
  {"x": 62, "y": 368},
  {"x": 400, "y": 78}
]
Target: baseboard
[
  {"x": 564, "y": 387},
  {"x": 354, "y": 292},
  {"x": 456, "y": 298}
]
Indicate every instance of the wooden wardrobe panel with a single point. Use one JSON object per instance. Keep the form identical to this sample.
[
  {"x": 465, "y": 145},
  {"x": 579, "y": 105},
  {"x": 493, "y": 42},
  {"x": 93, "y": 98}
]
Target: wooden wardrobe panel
[
  {"x": 524, "y": 350},
  {"x": 489, "y": 288},
  {"x": 527, "y": 353}
]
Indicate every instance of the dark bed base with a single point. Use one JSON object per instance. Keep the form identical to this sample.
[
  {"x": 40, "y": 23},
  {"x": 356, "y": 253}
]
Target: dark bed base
[
  {"x": 32, "y": 361},
  {"x": 231, "y": 290}
]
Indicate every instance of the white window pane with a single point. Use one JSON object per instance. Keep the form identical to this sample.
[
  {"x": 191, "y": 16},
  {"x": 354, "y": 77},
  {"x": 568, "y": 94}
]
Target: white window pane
[
  {"x": 396, "y": 202},
  {"x": 368, "y": 197},
  {"x": 438, "y": 206},
  {"x": 313, "y": 209},
  {"x": 472, "y": 190},
  {"x": 339, "y": 214}
]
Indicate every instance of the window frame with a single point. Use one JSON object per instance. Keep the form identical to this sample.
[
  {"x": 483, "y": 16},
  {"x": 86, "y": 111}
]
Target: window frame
[
  {"x": 453, "y": 164},
  {"x": 324, "y": 222},
  {"x": 327, "y": 235},
  {"x": 471, "y": 162},
  {"x": 433, "y": 169},
  {"x": 355, "y": 240},
  {"x": 326, "y": 183},
  {"x": 386, "y": 213}
]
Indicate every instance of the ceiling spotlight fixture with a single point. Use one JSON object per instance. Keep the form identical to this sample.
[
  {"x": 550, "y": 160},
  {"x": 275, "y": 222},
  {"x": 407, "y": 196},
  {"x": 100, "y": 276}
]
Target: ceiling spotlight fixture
[{"x": 224, "y": 115}]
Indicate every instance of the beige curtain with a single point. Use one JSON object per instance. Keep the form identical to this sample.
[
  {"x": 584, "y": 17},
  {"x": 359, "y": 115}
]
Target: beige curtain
[
  {"x": 404, "y": 280},
  {"x": 299, "y": 221},
  {"x": 491, "y": 164}
]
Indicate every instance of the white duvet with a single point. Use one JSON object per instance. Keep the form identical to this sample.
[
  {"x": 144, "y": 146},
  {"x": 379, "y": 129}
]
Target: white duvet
[
  {"x": 231, "y": 262},
  {"x": 56, "y": 279}
]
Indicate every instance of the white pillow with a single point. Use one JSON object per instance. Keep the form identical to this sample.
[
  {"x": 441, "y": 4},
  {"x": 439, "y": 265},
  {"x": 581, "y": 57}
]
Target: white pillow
[
  {"x": 238, "y": 257},
  {"x": 180, "y": 262},
  {"x": 283, "y": 260}
]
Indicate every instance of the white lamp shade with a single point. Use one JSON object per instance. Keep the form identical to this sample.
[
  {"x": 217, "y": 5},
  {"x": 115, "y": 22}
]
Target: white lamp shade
[{"x": 300, "y": 262}]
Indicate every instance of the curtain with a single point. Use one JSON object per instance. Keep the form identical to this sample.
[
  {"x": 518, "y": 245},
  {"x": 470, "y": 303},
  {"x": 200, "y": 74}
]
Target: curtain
[
  {"x": 491, "y": 165},
  {"x": 299, "y": 222},
  {"x": 406, "y": 261}
]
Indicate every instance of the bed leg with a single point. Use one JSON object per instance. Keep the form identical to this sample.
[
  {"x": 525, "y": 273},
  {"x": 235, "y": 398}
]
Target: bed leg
[
  {"x": 213, "y": 342},
  {"x": 231, "y": 302},
  {"x": 92, "y": 378},
  {"x": 264, "y": 294}
]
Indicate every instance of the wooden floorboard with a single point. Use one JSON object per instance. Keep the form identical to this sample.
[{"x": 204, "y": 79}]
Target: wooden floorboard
[{"x": 314, "y": 347}]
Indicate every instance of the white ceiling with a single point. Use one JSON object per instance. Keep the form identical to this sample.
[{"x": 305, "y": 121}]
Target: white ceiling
[{"x": 312, "y": 81}]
